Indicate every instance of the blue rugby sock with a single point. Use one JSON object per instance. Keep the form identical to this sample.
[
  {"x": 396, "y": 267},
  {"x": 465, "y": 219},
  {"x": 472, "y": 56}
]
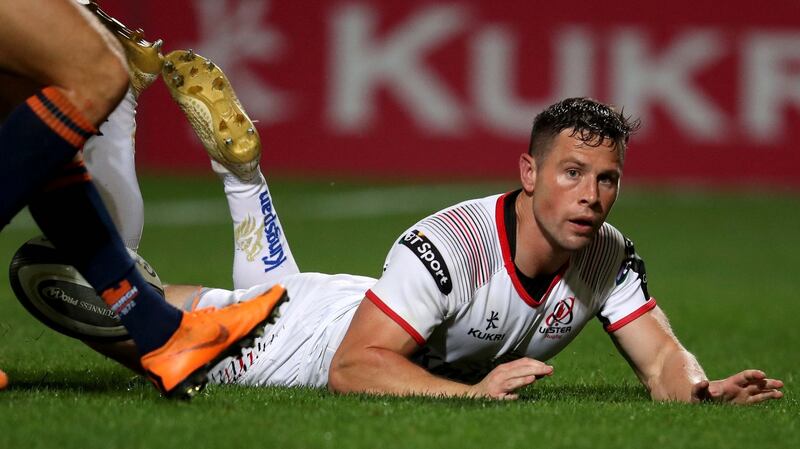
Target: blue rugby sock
[
  {"x": 37, "y": 143},
  {"x": 37, "y": 138},
  {"x": 71, "y": 214}
]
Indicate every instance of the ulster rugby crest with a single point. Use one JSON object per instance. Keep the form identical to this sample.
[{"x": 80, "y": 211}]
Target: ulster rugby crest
[{"x": 559, "y": 321}]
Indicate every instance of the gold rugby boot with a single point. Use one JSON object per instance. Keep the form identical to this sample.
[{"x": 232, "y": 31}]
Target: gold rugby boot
[
  {"x": 144, "y": 57},
  {"x": 207, "y": 99}
]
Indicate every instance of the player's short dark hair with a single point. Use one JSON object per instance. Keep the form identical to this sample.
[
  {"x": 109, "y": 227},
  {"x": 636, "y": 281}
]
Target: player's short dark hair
[{"x": 591, "y": 122}]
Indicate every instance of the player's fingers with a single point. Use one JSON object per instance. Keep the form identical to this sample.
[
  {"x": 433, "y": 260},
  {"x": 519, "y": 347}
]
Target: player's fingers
[
  {"x": 525, "y": 367},
  {"x": 518, "y": 382},
  {"x": 540, "y": 369},
  {"x": 525, "y": 362},
  {"x": 764, "y": 385},
  {"x": 774, "y": 383},
  {"x": 765, "y": 396},
  {"x": 756, "y": 388},
  {"x": 749, "y": 376},
  {"x": 700, "y": 390},
  {"x": 510, "y": 397}
]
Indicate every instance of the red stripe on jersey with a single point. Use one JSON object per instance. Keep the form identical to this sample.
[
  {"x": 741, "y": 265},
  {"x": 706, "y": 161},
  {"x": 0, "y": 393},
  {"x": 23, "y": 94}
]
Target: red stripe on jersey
[
  {"x": 648, "y": 306},
  {"x": 397, "y": 318},
  {"x": 468, "y": 241},
  {"x": 509, "y": 264},
  {"x": 480, "y": 252}
]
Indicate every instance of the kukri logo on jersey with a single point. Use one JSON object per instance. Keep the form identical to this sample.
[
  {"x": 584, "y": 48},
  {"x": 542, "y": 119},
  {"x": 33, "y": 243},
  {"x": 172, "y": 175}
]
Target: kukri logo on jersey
[
  {"x": 490, "y": 325},
  {"x": 427, "y": 253}
]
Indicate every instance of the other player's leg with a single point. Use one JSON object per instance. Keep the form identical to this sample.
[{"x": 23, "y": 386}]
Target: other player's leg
[
  {"x": 110, "y": 159},
  {"x": 110, "y": 155},
  {"x": 204, "y": 337},
  {"x": 60, "y": 45},
  {"x": 262, "y": 254},
  {"x": 56, "y": 47},
  {"x": 177, "y": 347},
  {"x": 190, "y": 298}
]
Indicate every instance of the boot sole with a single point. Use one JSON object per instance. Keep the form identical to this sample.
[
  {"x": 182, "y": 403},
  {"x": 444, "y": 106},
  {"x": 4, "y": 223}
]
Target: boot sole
[{"x": 207, "y": 99}]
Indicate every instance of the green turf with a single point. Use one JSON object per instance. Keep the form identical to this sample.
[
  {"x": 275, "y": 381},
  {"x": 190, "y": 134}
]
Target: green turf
[{"x": 723, "y": 266}]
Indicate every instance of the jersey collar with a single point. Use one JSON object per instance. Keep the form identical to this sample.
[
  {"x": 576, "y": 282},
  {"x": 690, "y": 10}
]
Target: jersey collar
[{"x": 508, "y": 261}]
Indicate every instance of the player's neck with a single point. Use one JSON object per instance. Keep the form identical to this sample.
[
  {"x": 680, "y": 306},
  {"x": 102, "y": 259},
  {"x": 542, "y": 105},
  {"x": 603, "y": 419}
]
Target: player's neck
[{"x": 535, "y": 255}]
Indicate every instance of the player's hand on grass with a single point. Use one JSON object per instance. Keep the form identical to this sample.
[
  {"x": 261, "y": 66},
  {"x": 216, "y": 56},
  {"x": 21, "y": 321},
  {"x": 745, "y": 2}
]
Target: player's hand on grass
[
  {"x": 503, "y": 381},
  {"x": 748, "y": 387}
]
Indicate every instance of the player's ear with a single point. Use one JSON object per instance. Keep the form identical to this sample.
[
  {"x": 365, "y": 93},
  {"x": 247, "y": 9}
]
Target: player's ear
[{"x": 527, "y": 172}]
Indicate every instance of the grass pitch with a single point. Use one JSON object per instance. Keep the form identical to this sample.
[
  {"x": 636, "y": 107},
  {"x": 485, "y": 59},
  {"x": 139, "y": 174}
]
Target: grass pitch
[{"x": 723, "y": 267}]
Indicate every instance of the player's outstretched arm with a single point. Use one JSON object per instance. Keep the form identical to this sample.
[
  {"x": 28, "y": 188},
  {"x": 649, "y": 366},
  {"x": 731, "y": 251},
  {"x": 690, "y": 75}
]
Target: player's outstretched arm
[
  {"x": 373, "y": 358},
  {"x": 671, "y": 373}
]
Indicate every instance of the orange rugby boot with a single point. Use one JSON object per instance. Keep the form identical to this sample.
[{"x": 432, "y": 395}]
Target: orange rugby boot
[{"x": 205, "y": 337}]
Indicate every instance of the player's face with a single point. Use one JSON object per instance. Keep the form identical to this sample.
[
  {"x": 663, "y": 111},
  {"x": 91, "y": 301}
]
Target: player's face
[{"x": 575, "y": 187}]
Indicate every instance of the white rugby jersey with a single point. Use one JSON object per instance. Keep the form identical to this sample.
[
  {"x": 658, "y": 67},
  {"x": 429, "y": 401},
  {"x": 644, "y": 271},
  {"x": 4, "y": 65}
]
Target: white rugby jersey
[{"x": 450, "y": 282}]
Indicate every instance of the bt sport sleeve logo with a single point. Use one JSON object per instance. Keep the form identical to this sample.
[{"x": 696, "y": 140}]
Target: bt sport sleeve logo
[{"x": 430, "y": 257}]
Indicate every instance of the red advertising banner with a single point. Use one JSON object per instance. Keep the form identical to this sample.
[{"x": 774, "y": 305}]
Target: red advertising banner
[{"x": 450, "y": 88}]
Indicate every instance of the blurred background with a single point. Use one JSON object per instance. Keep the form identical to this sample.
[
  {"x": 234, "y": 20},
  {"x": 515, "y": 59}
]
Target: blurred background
[{"x": 447, "y": 90}]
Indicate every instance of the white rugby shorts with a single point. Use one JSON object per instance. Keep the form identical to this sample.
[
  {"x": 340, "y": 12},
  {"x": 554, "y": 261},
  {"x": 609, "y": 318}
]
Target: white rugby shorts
[{"x": 296, "y": 350}]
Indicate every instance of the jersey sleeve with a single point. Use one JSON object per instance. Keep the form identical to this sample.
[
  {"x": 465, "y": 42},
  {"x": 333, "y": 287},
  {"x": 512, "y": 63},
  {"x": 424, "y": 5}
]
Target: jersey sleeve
[
  {"x": 629, "y": 298},
  {"x": 413, "y": 290}
]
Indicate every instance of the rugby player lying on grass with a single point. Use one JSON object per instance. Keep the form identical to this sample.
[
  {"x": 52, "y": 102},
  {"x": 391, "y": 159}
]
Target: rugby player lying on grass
[{"x": 473, "y": 299}]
